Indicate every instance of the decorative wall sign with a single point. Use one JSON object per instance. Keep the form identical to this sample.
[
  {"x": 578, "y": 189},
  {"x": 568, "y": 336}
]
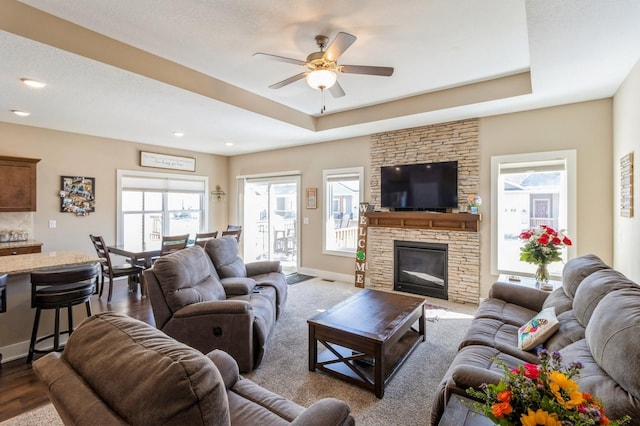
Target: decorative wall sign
[
  {"x": 626, "y": 185},
  {"x": 163, "y": 161},
  {"x": 312, "y": 198},
  {"x": 361, "y": 245},
  {"x": 77, "y": 195}
]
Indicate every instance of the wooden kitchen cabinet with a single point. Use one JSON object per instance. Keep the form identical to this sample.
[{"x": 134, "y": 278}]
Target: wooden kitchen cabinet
[
  {"x": 18, "y": 184},
  {"x": 21, "y": 250}
]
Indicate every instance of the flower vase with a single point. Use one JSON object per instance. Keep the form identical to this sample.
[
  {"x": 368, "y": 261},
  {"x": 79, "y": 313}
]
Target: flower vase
[
  {"x": 474, "y": 210},
  {"x": 542, "y": 273}
]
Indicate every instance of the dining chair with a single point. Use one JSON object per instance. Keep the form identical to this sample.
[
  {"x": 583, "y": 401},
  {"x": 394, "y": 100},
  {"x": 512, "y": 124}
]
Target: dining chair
[
  {"x": 114, "y": 271},
  {"x": 173, "y": 243},
  {"x": 235, "y": 233},
  {"x": 203, "y": 237},
  {"x": 234, "y": 227}
]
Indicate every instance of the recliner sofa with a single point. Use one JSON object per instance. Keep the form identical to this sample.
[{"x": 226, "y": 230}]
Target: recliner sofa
[
  {"x": 598, "y": 310},
  {"x": 192, "y": 304},
  {"x": 116, "y": 370}
]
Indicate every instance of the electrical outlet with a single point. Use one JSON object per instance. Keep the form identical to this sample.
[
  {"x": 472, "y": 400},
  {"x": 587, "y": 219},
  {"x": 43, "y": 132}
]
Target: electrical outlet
[{"x": 52, "y": 224}]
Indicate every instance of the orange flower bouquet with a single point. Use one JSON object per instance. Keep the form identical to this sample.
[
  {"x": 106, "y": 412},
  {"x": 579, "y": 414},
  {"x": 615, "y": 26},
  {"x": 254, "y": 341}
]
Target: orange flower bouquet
[{"x": 541, "y": 394}]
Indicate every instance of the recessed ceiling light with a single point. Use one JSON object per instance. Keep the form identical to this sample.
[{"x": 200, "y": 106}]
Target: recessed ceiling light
[
  {"x": 33, "y": 83},
  {"x": 20, "y": 113},
  {"x": 228, "y": 143},
  {"x": 178, "y": 134}
]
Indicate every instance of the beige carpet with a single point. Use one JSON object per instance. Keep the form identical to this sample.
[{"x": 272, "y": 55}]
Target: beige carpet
[{"x": 284, "y": 370}]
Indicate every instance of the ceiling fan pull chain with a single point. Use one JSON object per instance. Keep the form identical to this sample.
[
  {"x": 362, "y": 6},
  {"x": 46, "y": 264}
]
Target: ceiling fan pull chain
[{"x": 323, "y": 107}]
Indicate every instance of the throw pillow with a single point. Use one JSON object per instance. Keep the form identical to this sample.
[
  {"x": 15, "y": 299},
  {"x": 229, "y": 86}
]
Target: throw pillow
[{"x": 538, "y": 329}]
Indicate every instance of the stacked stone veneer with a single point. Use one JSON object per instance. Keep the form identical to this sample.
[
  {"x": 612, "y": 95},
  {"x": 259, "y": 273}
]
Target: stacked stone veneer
[{"x": 442, "y": 142}]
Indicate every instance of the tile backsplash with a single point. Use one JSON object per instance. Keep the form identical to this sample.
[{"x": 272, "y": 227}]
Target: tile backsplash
[{"x": 16, "y": 225}]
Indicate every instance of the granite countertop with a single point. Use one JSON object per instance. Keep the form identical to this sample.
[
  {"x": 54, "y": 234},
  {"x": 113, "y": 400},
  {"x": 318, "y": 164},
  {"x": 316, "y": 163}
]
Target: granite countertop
[
  {"x": 16, "y": 244},
  {"x": 24, "y": 263}
]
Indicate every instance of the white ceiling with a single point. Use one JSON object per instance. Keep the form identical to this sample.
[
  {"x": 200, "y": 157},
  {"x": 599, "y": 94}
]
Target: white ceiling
[{"x": 207, "y": 84}]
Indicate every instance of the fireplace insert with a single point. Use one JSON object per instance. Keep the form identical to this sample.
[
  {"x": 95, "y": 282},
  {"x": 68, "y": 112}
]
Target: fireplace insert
[{"x": 420, "y": 268}]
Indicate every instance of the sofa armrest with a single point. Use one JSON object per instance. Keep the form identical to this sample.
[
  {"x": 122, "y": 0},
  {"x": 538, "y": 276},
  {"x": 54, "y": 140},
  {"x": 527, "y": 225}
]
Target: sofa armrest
[
  {"x": 327, "y": 411},
  {"x": 214, "y": 307},
  {"x": 227, "y": 366},
  {"x": 237, "y": 286},
  {"x": 527, "y": 297},
  {"x": 468, "y": 376},
  {"x": 263, "y": 267}
]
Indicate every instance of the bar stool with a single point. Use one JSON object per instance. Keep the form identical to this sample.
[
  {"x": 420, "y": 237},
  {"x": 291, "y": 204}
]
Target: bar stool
[{"x": 57, "y": 289}]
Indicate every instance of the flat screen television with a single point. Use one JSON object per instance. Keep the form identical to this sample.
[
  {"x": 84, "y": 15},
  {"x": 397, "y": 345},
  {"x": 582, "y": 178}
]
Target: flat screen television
[{"x": 416, "y": 187}]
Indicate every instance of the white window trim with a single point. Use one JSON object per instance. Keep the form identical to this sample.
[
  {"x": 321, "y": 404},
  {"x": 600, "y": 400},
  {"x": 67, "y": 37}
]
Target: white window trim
[
  {"x": 157, "y": 175},
  {"x": 570, "y": 157},
  {"x": 326, "y": 205}
]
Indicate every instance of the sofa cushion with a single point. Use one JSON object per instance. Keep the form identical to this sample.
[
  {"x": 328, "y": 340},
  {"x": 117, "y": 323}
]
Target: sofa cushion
[
  {"x": 538, "y": 329},
  {"x": 145, "y": 376},
  {"x": 577, "y": 269},
  {"x": 570, "y": 331},
  {"x": 617, "y": 401},
  {"x": 185, "y": 278},
  {"x": 509, "y": 313},
  {"x": 594, "y": 288},
  {"x": 613, "y": 336},
  {"x": 224, "y": 254},
  {"x": 559, "y": 300}
]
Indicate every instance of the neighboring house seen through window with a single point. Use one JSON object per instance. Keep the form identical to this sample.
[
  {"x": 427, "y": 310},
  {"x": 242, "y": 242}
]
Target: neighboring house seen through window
[{"x": 530, "y": 190}]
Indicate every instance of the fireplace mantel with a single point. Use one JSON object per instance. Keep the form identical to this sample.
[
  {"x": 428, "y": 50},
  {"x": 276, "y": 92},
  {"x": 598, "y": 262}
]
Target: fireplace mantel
[{"x": 425, "y": 220}]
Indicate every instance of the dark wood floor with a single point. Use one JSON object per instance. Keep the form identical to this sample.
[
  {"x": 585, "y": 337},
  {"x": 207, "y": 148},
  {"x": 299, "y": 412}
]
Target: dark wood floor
[{"x": 20, "y": 390}]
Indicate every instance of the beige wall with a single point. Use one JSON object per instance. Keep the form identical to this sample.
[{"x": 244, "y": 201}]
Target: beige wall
[
  {"x": 310, "y": 160},
  {"x": 69, "y": 154},
  {"x": 626, "y": 131},
  {"x": 585, "y": 127}
]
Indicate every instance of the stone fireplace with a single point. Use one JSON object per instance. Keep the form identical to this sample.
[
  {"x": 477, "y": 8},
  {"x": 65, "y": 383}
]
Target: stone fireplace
[
  {"x": 420, "y": 268},
  {"x": 441, "y": 142}
]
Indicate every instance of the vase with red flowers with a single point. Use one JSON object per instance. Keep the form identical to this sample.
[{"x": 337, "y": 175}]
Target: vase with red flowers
[{"x": 543, "y": 245}]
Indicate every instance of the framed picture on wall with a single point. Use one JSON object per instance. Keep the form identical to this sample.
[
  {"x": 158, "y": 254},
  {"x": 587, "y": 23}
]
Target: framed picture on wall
[
  {"x": 312, "y": 198},
  {"x": 77, "y": 195}
]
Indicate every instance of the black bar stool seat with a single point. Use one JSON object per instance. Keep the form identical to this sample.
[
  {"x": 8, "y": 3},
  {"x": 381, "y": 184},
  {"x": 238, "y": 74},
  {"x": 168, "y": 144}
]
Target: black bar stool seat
[{"x": 57, "y": 289}]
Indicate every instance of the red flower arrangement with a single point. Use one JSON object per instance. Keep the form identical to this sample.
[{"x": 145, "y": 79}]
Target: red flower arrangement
[{"x": 543, "y": 245}]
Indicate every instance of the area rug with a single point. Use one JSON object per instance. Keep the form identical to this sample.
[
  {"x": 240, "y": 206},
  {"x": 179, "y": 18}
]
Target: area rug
[
  {"x": 45, "y": 415},
  {"x": 408, "y": 395},
  {"x": 285, "y": 370},
  {"x": 297, "y": 278}
]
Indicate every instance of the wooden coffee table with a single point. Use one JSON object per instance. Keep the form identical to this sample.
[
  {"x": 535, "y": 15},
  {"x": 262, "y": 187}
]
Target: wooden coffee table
[{"x": 367, "y": 337}]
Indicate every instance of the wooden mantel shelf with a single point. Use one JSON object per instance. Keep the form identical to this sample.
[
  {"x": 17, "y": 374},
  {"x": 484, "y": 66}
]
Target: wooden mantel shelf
[{"x": 425, "y": 220}]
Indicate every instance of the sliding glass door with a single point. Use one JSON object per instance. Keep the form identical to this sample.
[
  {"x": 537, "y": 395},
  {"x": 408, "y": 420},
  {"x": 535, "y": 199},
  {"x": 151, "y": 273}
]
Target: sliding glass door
[{"x": 271, "y": 220}]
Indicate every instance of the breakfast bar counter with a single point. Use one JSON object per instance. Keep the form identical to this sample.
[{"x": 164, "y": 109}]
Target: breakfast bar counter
[{"x": 17, "y": 321}]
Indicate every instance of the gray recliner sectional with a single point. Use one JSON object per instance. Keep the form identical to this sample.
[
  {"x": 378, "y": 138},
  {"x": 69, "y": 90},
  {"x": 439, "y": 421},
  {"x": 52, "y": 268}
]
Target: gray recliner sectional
[
  {"x": 235, "y": 313},
  {"x": 116, "y": 370},
  {"x": 598, "y": 310}
]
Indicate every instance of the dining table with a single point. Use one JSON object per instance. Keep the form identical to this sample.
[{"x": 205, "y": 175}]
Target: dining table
[{"x": 138, "y": 254}]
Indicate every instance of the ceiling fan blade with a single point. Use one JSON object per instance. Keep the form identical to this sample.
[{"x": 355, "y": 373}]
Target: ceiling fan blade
[
  {"x": 280, "y": 58},
  {"x": 336, "y": 90},
  {"x": 288, "y": 81},
  {"x": 365, "y": 69},
  {"x": 339, "y": 45}
]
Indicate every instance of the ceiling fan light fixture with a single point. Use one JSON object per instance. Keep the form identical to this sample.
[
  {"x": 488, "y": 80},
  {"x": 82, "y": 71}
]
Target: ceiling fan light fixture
[{"x": 321, "y": 79}]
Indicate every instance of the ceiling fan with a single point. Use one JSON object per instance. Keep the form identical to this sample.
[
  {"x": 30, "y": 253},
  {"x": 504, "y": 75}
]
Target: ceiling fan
[{"x": 322, "y": 67}]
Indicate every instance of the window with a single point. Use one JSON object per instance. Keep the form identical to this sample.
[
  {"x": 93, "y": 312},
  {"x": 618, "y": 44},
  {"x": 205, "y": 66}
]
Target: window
[
  {"x": 530, "y": 190},
  {"x": 342, "y": 196},
  {"x": 151, "y": 205}
]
